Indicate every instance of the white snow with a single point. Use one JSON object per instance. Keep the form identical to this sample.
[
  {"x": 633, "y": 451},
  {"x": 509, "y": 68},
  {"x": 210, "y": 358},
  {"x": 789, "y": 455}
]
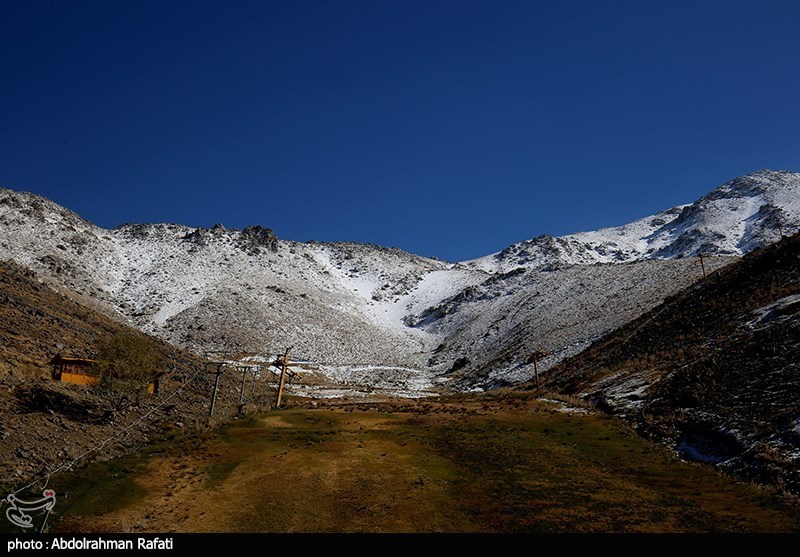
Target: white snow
[
  {"x": 381, "y": 318},
  {"x": 565, "y": 408},
  {"x": 723, "y": 222},
  {"x": 693, "y": 453},
  {"x": 779, "y": 311}
]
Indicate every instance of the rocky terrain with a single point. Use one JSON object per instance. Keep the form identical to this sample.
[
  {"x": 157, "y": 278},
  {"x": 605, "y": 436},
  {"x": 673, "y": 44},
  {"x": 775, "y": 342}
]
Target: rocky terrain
[
  {"x": 714, "y": 371},
  {"x": 491, "y": 328},
  {"x": 468, "y": 325}
]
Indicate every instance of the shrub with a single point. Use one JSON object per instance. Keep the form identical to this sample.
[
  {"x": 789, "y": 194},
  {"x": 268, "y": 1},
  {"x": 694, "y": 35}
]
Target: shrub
[{"x": 127, "y": 363}]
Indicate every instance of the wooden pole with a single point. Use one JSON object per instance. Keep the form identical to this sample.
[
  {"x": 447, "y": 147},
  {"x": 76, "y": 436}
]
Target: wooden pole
[
  {"x": 214, "y": 394},
  {"x": 536, "y": 368},
  {"x": 703, "y": 265},
  {"x": 253, "y": 392},
  {"x": 244, "y": 376},
  {"x": 284, "y": 366}
]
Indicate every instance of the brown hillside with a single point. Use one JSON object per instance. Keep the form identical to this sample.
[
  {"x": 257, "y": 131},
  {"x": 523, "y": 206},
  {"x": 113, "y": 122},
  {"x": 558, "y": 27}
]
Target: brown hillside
[
  {"x": 714, "y": 370},
  {"x": 34, "y": 319},
  {"x": 44, "y": 423}
]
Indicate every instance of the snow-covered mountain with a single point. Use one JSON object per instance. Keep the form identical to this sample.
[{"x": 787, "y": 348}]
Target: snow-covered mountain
[
  {"x": 344, "y": 304},
  {"x": 735, "y": 218}
]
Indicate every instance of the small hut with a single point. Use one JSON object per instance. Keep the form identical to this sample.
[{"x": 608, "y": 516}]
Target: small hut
[{"x": 73, "y": 370}]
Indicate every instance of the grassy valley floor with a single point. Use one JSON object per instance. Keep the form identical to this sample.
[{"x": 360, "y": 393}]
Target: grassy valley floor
[{"x": 483, "y": 465}]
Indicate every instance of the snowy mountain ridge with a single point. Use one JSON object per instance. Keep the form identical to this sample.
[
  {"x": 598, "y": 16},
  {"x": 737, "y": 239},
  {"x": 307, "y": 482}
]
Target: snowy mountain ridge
[
  {"x": 733, "y": 219},
  {"x": 346, "y": 304}
]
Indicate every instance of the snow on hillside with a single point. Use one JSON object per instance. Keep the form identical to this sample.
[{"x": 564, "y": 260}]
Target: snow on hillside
[
  {"x": 493, "y": 327},
  {"x": 59, "y": 244},
  {"x": 736, "y": 218},
  {"x": 350, "y": 306}
]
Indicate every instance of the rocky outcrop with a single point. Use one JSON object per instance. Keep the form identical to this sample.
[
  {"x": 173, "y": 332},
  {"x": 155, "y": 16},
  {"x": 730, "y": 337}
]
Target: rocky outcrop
[{"x": 255, "y": 238}]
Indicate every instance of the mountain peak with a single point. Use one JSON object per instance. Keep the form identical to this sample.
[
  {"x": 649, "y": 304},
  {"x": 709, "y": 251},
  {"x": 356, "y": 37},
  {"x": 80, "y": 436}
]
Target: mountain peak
[
  {"x": 739, "y": 216},
  {"x": 769, "y": 174},
  {"x": 756, "y": 183},
  {"x": 38, "y": 207}
]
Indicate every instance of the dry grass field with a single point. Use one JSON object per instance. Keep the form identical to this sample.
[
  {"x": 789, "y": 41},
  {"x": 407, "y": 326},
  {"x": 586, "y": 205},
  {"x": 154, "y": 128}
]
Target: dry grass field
[{"x": 507, "y": 463}]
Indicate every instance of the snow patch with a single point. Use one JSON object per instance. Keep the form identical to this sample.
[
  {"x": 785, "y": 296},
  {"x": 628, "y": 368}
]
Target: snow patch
[{"x": 562, "y": 406}]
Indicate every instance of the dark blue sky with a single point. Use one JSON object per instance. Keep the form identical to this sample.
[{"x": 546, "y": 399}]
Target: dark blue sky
[{"x": 447, "y": 128}]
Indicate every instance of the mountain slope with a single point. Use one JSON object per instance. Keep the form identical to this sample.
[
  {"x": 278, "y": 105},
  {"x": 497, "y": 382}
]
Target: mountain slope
[
  {"x": 493, "y": 327},
  {"x": 470, "y": 324},
  {"x": 34, "y": 319},
  {"x": 44, "y": 423},
  {"x": 714, "y": 371},
  {"x": 741, "y": 215}
]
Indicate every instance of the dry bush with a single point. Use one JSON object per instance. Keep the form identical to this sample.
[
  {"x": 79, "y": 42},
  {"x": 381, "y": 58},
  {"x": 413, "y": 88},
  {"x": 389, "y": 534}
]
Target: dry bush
[{"x": 127, "y": 363}]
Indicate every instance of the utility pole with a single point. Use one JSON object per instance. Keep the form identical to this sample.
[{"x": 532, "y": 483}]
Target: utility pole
[
  {"x": 220, "y": 365},
  {"x": 534, "y": 359},
  {"x": 703, "y": 266},
  {"x": 284, "y": 367}
]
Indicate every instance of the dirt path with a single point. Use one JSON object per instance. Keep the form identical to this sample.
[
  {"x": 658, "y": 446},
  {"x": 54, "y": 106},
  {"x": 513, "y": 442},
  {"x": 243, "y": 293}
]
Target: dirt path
[{"x": 456, "y": 467}]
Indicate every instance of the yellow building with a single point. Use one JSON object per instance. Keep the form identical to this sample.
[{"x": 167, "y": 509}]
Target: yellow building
[{"x": 73, "y": 370}]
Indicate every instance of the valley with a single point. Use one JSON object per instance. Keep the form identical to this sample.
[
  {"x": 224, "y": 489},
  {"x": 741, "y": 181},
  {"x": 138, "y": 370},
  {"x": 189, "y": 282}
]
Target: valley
[
  {"x": 503, "y": 463},
  {"x": 468, "y": 325},
  {"x": 415, "y": 403}
]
